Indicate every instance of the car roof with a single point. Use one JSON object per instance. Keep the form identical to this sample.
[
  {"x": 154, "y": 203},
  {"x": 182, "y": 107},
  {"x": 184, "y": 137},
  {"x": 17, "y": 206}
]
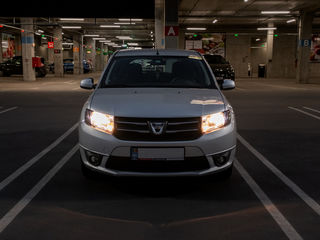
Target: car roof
[{"x": 156, "y": 52}]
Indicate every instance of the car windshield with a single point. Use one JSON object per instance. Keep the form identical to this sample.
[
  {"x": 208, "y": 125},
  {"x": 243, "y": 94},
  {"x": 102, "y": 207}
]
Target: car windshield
[
  {"x": 159, "y": 71},
  {"x": 215, "y": 59}
]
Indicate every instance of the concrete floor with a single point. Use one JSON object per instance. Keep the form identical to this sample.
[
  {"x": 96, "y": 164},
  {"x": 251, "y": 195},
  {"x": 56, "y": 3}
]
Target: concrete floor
[{"x": 272, "y": 194}]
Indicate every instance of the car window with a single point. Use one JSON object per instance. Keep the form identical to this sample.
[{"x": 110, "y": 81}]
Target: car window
[
  {"x": 157, "y": 72},
  {"x": 215, "y": 59}
]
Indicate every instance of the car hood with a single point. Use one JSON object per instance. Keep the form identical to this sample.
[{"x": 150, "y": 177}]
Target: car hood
[{"x": 157, "y": 102}]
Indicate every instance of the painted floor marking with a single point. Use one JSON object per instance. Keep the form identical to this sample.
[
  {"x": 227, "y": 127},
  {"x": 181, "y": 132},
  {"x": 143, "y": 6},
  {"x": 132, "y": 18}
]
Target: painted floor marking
[
  {"x": 294, "y": 187},
  {"x": 16, "y": 209}
]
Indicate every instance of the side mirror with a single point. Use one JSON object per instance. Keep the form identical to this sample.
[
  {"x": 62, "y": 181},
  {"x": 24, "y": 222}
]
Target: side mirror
[
  {"x": 228, "y": 84},
  {"x": 87, "y": 83}
]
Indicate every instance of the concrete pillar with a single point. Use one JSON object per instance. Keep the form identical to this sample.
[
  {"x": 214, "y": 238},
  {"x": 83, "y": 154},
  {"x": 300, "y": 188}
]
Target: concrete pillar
[
  {"x": 106, "y": 55},
  {"x": 91, "y": 53},
  {"x": 1, "y": 59},
  {"x": 99, "y": 56},
  {"x": 159, "y": 24},
  {"x": 304, "y": 44},
  {"x": 171, "y": 24},
  {"x": 27, "y": 40},
  {"x": 76, "y": 54},
  {"x": 181, "y": 39},
  {"x": 17, "y": 43},
  {"x": 269, "y": 54},
  {"x": 58, "y": 54}
]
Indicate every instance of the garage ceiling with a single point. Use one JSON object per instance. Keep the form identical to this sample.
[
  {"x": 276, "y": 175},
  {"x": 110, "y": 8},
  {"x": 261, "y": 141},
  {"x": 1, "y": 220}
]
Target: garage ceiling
[
  {"x": 240, "y": 14},
  {"x": 232, "y": 16}
]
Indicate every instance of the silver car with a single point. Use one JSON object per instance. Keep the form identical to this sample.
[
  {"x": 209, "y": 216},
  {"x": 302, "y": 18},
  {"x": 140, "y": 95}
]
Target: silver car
[{"x": 157, "y": 113}]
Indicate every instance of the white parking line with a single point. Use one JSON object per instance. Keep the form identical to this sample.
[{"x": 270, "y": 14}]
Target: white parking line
[
  {"x": 306, "y": 113},
  {"x": 294, "y": 187},
  {"x": 267, "y": 203},
  {"x": 13, "y": 212},
  {"x": 35, "y": 159},
  {"x": 311, "y": 109},
  {"x": 8, "y": 109}
]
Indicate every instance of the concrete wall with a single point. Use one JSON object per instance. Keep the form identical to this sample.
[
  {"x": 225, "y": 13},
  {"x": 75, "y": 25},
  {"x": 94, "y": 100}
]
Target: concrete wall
[
  {"x": 257, "y": 56},
  {"x": 284, "y": 55},
  {"x": 238, "y": 53}
]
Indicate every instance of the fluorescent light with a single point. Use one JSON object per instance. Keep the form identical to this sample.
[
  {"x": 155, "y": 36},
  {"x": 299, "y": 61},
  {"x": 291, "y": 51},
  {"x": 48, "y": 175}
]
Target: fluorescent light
[
  {"x": 125, "y": 23},
  {"x": 196, "y": 28},
  {"x": 91, "y": 35},
  {"x": 133, "y": 44},
  {"x": 67, "y": 43},
  {"x": 105, "y": 41},
  {"x": 266, "y": 28},
  {"x": 138, "y": 48},
  {"x": 98, "y": 38},
  {"x": 129, "y": 20},
  {"x": 291, "y": 20},
  {"x": 71, "y": 27},
  {"x": 109, "y": 26},
  {"x": 258, "y": 39},
  {"x": 71, "y": 19},
  {"x": 245, "y": 0},
  {"x": 215, "y": 20},
  {"x": 124, "y": 37},
  {"x": 275, "y": 12}
]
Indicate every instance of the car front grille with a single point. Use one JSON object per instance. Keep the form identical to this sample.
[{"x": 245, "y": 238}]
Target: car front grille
[
  {"x": 126, "y": 164},
  {"x": 174, "y": 129}
]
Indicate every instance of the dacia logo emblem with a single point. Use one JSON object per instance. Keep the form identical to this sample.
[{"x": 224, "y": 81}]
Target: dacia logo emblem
[{"x": 157, "y": 128}]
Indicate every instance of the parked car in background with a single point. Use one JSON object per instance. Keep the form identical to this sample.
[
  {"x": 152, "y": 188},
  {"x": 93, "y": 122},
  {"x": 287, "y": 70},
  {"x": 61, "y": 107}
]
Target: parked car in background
[
  {"x": 14, "y": 66},
  {"x": 68, "y": 66},
  {"x": 221, "y": 68}
]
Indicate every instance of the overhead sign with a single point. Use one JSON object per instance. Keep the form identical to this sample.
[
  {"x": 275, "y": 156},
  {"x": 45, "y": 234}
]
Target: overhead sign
[
  {"x": 50, "y": 45},
  {"x": 305, "y": 43},
  {"x": 172, "y": 31}
]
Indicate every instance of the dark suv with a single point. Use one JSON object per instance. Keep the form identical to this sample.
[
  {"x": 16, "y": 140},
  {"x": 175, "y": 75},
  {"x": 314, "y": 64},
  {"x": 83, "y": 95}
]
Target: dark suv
[
  {"x": 14, "y": 66},
  {"x": 221, "y": 68}
]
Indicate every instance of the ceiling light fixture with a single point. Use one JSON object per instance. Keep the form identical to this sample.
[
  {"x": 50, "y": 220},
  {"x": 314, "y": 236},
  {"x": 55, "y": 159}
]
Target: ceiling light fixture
[
  {"x": 91, "y": 35},
  {"x": 124, "y": 37},
  {"x": 71, "y": 19},
  {"x": 291, "y": 20},
  {"x": 275, "y": 12},
  {"x": 71, "y": 27},
  {"x": 266, "y": 28},
  {"x": 197, "y": 28},
  {"x": 109, "y": 26},
  {"x": 215, "y": 21}
]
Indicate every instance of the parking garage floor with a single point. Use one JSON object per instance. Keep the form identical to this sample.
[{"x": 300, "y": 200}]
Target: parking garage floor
[{"x": 272, "y": 194}]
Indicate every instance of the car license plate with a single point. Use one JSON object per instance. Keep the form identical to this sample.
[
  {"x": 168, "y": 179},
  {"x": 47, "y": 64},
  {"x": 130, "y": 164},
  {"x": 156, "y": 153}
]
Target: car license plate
[
  {"x": 219, "y": 78},
  {"x": 161, "y": 154}
]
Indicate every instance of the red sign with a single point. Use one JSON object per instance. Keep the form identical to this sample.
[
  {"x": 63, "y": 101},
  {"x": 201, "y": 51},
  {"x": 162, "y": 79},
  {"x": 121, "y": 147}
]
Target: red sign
[
  {"x": 50, "y": 45},
  {"x": 172, "y": 31}
]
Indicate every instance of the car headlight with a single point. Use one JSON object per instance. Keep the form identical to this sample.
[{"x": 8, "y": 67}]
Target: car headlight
[
  {"x": 215, "y": 121},
  {"x": 100, "y": 121}
]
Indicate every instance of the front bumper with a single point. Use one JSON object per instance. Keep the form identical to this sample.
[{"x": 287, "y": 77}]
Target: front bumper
[{"x": 205, "y": 147}]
